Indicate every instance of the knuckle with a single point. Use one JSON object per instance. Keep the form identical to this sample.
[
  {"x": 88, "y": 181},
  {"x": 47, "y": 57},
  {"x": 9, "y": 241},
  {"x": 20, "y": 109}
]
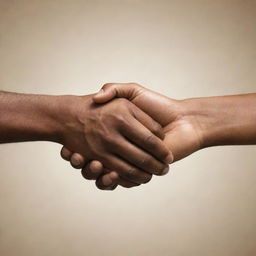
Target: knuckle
[
  {"x": 122, "y": 122},
  {"x": 120, "y": 119},
  {"x": 106, "y": 85},
  {"x": 108, "y": 139}
]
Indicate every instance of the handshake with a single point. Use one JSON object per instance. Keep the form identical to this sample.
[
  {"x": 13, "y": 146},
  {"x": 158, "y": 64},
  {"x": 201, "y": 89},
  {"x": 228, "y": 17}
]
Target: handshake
[{"x": 126, "y": 133}]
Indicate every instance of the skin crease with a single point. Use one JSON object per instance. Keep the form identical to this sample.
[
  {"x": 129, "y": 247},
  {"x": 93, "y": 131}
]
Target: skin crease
[
  {"x": 189, "y": 125},
  {"x": 118, "y": 133}
]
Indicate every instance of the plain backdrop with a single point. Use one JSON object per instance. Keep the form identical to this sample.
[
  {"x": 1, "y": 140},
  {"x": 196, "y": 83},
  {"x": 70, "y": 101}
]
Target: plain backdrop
[{"x": 206, "y": 205}]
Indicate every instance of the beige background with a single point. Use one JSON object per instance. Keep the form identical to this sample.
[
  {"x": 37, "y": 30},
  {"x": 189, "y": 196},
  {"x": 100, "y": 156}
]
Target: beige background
[{"x": 206, "y": 206}]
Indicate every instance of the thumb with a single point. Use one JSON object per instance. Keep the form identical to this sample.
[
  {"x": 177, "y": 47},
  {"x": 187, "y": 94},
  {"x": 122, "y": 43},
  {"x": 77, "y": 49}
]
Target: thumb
[
  {"x": 110, "y": 91},
  {"x": 104, "y": 95}
]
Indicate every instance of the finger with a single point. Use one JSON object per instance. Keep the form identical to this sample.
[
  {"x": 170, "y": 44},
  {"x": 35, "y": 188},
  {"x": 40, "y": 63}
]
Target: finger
[
  {"x": 138, "y": 157},
  {"x": 125, "y": 170},
  {"x": 66, "y": 153},
  {"x": 113, "y": 90},
  {"x": 110, "y": 178},
  {"x": 142, "y": 137},
  {"x": 77, "y": 161},
  {"x": 148, "y": 122},
  {"x": 107, "y": 181},
  {"x": 93, "y": 170}
]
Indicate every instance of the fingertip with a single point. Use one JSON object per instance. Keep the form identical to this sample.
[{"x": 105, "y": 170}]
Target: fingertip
[
  {"x": 107, "y": 180},
  {"x": 66, "y": 153},
  {"x": 77, "y": 161},
  {"x": 166, "y": 170},
  {"x": 169, "y": 159},
  {"x": 96, "y": 166},
  {"x": 113, "y": 175},
  {"x": 100, "y": 184},
  {"x": 92, "y": 170}
]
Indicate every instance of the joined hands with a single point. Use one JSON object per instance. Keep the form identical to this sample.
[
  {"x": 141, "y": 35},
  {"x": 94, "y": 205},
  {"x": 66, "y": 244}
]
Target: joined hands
[
  {"x": 182, "y": 133},
  {"x": 126, "y": 133}
]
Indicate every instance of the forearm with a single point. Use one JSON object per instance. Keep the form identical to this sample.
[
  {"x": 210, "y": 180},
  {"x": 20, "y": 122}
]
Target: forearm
[
  {"x": 27, "y": 117},
  {"x": 225, "y": 120}
]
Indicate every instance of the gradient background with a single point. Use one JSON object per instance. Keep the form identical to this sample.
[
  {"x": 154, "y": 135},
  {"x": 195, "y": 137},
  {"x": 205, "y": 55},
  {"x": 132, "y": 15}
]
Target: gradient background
[{"x": 206, "y": 206}]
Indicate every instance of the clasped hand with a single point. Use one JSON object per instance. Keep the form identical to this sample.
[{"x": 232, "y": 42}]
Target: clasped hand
[{"x": 127, "y": 133}]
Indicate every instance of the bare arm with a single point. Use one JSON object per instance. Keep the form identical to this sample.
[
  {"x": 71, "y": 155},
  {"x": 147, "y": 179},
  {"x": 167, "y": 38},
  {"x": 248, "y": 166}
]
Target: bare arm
[
  {"x": 118, "y": 133},
  {"x": 26, "y": 117},
  {"x": 224, "y": 120}
]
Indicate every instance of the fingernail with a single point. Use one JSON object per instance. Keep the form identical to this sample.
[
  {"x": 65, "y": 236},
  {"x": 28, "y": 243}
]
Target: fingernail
[
  {"x": 169, "y": 158},
  {"x": 166, "y": 170}
]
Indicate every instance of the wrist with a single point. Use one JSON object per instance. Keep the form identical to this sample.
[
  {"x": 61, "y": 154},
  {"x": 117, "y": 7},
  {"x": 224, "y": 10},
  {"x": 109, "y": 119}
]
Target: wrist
[
  {"x": 56, "y": 114},
  {"x": 72, "y": 113},
  {"x": 198, "y": 112}
]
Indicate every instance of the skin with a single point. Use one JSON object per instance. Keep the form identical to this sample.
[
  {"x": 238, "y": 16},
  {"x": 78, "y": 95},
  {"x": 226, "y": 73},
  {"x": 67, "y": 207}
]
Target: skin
[
  {"x": 118, "y": 134},
  {"x": 189, "y": 125}
]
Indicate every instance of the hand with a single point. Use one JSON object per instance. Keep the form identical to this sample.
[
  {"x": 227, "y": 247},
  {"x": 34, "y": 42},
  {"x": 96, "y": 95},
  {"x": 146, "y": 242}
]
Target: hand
[
  {"x": 119, "y": 135},
  {"x": 183, "y": 133}
]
